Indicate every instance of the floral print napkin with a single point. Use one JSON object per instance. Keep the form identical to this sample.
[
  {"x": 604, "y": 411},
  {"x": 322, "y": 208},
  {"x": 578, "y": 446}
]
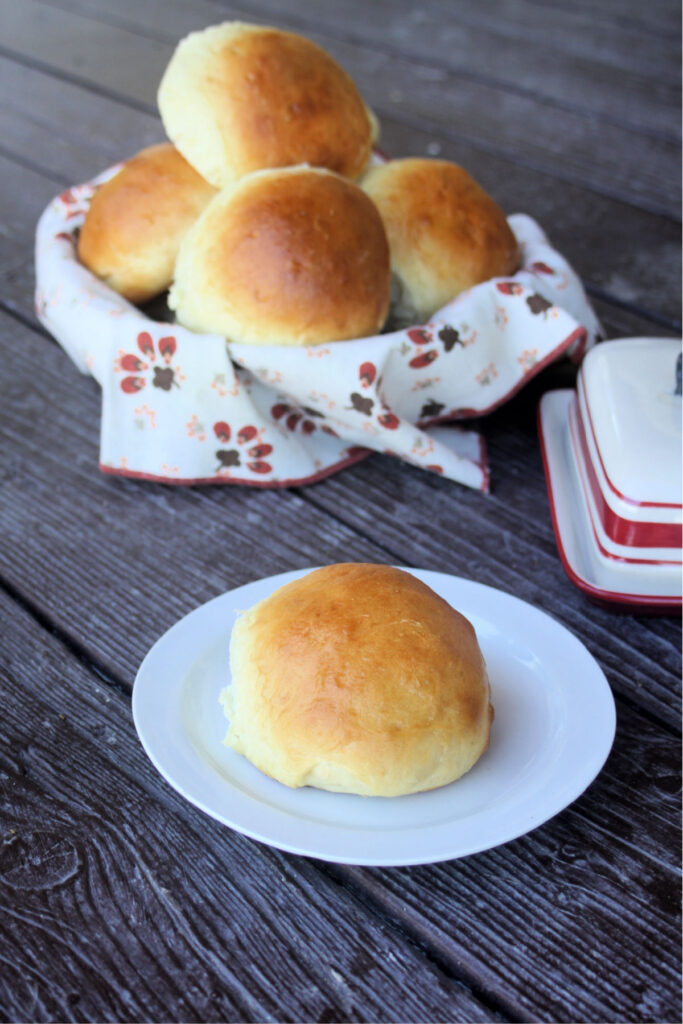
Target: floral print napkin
[{"x": 186, "y": 408}]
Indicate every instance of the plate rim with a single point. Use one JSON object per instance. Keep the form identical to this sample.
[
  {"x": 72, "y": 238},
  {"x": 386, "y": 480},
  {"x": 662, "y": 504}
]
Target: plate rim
[{"x": 578, "y": 783}]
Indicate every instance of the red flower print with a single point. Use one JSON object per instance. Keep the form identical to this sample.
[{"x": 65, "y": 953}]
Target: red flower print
[
  {"x": 367, "y": 373},
  {"x": 246, "y": 434},
  {"x": 167, "y": 347},
  {"x": 222, "y": 431},
  {"x": 132, "y": 364},
  {"x": 259, "y": 450},
  {"x": 509, "y": 288},
  {"x": 295, "y": 416},
  {"x": 229, "y": 457},
  {"x": 388, "y": 420},
  {"x": 424, "y": 359},
  {"x": 145, "y": 344},
  {"x": 435, "y": 469},
  {"x": 541, "y": 268},
  {"x": 163, "y": 377},
  {"x": 419, "y": 336},
  {"x": 132, "y": 384}
]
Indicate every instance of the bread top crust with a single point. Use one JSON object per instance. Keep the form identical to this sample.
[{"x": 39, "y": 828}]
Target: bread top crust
[
  {"x": 237, "y": 98},
  {"x": 293, "y": 257},
  {"x": 359, "y": 677},
  {"x": 445, "y": 232},
  {"x": 137, "y": 219}
]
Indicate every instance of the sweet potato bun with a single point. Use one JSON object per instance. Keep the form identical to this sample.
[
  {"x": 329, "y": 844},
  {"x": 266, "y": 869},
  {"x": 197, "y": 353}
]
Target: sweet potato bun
[
  {"x": 296, "y": 256},
  {"x": 133, "y": 229},
  {"x": 358, "y": 679},
  {"x": 236, "y": 98},
  {"x": 445, "y": 232}
]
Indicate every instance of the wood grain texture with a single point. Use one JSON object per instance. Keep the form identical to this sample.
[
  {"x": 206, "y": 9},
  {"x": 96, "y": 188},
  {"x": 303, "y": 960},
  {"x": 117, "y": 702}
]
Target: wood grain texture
[
  {"x": 460, "y": 107},
  {"x": 122, "y": 902},
  {"x": 127, "y": 904},
  {"x": 564, "y": 57},
  {"x": 567, "y": 870}
]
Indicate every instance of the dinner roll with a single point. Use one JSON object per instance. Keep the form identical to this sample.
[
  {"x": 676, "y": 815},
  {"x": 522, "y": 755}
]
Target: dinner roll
[
  {"x": 236, "y": 98},
  {"x": 136, "y": 220},
  {"x": 445, "y": 232},
  {"x": 357, "y": 679},
  {"x": 296, "y": 256}
]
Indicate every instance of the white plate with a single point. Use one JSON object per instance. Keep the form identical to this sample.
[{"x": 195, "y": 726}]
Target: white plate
[{"x": 553, "y": 729}]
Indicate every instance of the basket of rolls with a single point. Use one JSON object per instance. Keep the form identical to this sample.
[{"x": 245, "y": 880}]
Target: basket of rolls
[{"x": 264, "y": 299}]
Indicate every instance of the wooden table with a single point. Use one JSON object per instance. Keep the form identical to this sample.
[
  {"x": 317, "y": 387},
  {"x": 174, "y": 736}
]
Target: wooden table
[{"x": 120, "y": 901}]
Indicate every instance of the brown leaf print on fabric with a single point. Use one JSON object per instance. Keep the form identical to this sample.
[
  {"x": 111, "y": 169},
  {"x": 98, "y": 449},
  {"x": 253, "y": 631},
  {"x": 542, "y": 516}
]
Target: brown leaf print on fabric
[
  {"x": 164, "y": 378},
  {"x": 227, "y": 458},
  {"x": 360, "y": 404},
  {"x": 450, "y": 338},
  {"x": 537, "y": 304},
  {"x": 431, "y": 408}
]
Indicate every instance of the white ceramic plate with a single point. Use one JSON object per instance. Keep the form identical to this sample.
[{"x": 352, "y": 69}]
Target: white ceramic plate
[{"x": 553, "y": 729}]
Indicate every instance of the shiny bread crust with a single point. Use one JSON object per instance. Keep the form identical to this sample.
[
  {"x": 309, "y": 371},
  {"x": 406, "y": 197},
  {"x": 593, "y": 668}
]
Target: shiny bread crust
[
  {"x": 296, "y": 256},
  {"x": 136, "y": 221},
  {"x": 358, "y": 678},
  {"x": 236, "y": 98},
  {"x": 445, "y": 232}
]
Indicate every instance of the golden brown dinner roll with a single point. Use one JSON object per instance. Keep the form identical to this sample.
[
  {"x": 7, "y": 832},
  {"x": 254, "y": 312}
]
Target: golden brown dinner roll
[
  {"x": 236, "y": 98},
  {"x": 296, "y": 256},
  {"x": 136, "y": 221},
  {"x": 445, "y": 232},
  {"x": 359, "y": 679}
]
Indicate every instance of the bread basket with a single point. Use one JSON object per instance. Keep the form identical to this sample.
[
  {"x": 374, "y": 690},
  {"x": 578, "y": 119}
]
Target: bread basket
[{"x": 186, "y": 408}]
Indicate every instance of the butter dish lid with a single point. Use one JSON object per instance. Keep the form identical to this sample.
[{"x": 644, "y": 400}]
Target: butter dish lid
[{"x": 633, "y": 398}]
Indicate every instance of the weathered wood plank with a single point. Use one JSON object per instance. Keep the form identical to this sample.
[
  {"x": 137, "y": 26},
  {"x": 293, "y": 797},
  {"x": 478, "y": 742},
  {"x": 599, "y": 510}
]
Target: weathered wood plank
[
  {"x": 658, "y": 19},
  {"x": 580, "y": 907},
  {"x": 557, "y": 54},
  {"x": 461, "y": 108},
  {"x": 121, "y": 902},
  {"x": 69, "y": 132},
  {"x": 622, "y": 252},
  {"x": 577, "y": 920},
  {"x": 598, "y": 882}
]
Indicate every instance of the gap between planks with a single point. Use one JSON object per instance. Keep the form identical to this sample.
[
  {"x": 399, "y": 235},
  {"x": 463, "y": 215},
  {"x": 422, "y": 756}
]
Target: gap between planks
[{"x": 606, "y": 187}]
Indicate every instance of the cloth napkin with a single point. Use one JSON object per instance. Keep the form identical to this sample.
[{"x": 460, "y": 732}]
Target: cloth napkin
[{"x": 187, "y": 408}]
